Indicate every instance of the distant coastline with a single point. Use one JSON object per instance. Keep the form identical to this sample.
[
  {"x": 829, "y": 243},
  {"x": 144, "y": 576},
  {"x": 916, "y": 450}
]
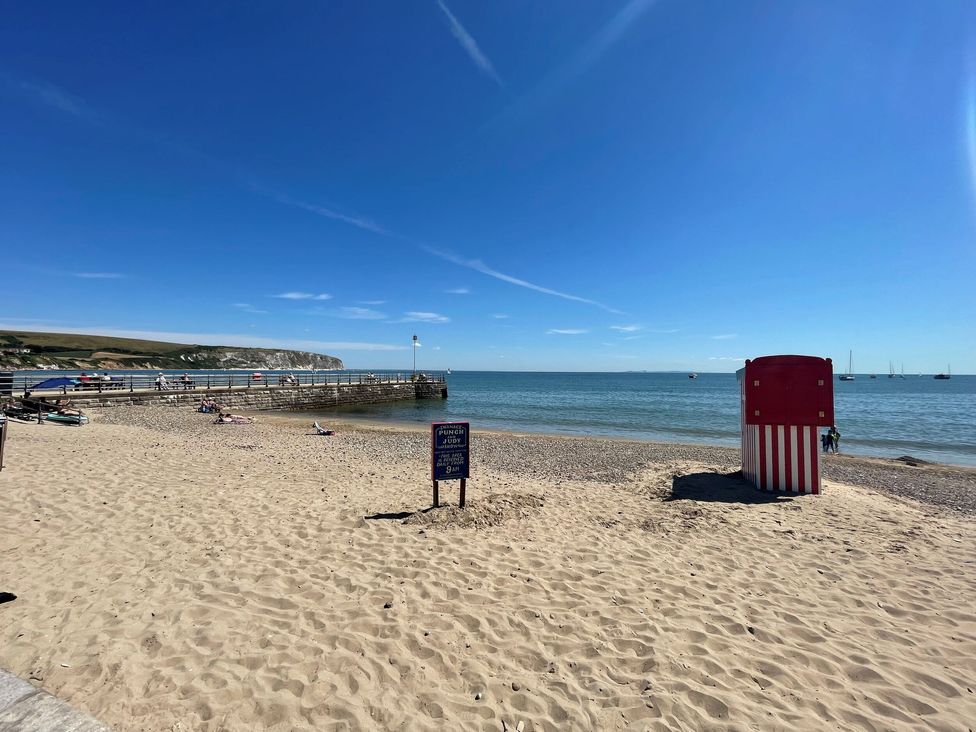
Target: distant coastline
[{"x": 29, "y": 350}]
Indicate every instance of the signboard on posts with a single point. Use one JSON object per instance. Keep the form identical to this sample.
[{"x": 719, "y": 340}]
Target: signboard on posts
[
  {"x": 449, "y": 454},
  {"x": 3, "y": 437},
  {"x": 449, "y": 450}
]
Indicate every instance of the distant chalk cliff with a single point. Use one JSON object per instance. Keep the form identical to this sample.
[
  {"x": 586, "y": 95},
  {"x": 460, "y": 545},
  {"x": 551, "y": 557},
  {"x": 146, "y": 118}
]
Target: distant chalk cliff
[{"x": 258, "y": 358}]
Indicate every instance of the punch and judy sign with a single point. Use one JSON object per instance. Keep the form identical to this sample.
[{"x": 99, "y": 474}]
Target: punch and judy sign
[{"x": 449, "y": 445}]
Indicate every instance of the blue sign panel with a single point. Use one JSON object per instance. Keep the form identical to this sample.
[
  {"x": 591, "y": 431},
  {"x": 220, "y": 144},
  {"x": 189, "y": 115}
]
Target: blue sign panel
[{"x": 449, "y": 450}]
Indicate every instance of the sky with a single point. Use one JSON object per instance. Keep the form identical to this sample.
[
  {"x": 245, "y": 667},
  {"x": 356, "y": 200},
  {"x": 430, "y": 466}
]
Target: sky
[{"x": 571, "y": 186}]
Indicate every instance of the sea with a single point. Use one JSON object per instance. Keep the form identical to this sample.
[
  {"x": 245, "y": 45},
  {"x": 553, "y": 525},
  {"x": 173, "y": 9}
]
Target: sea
[{"x": 917, "y": 415}]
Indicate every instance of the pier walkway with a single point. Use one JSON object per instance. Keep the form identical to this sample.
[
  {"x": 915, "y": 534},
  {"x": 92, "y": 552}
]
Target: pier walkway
[{"x": 256, "y": 390}]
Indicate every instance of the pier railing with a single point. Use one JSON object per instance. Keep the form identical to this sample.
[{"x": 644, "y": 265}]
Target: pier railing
[{"x": 208, "y": 380}]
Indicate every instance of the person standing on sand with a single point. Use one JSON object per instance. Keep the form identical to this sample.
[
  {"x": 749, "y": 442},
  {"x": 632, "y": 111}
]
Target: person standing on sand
[
  {"x": 825, "y": 441},
  {"x": 835, "y": 439}
]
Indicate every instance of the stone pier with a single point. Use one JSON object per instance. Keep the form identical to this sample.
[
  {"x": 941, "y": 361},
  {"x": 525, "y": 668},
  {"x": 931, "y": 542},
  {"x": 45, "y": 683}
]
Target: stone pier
[{"x": 270, "y": 398}]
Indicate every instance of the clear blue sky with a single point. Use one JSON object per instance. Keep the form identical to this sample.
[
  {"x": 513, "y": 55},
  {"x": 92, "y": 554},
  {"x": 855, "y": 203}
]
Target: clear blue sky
[{"x": 547, "y": 186}]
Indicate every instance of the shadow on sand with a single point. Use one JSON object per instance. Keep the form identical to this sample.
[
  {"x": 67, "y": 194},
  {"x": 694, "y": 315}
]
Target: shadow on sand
[
  {"x": 400, "y": 516},
  {"x": 721, "y": 488}
]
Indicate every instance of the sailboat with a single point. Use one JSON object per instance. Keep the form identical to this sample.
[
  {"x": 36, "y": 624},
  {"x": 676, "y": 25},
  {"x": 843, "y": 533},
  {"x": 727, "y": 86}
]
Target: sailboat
[
  {"x": 849, "y": 376},
  {"x": 891, "y": 369},
  {"x": 903, "y": 371},
  {"x": 946, "y": 375}
]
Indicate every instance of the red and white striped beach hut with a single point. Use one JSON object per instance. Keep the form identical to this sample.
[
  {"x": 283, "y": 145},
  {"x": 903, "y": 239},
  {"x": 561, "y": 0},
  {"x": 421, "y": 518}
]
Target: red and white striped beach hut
[{"x": 785, "y": 400}]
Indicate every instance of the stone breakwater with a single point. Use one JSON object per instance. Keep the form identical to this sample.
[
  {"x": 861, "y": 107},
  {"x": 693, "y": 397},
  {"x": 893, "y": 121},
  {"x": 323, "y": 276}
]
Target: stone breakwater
[{"x": 272, "y": 398}]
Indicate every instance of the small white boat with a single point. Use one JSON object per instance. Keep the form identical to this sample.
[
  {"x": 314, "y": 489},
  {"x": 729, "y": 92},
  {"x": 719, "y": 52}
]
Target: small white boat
[{"x": 692, "y": 375}]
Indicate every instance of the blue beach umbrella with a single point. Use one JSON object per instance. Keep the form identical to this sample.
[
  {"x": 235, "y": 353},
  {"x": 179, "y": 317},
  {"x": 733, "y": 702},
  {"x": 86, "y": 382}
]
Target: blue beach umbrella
[{"x": 55, "y": 383}]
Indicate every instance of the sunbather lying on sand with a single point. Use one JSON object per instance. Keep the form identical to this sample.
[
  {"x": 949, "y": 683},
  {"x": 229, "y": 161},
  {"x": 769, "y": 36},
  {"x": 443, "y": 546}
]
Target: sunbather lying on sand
[
  {"x": 233, "y": 419},
  {"x": 320, "y": 430}
]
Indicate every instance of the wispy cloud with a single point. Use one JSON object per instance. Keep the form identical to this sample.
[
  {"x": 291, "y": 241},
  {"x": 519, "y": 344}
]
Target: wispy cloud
[
  {"x": 500, "y": 316},
  {"x": 586, "y": 57},
  {"x": 99, "y": 275},
  {"x": 248, "y": 308},
  {"x": 566, "y": 331},
  {"x": 303, "y": 296},
  {"x": 59, "y": 99},
  {"x": 664, "y": 330},
  {"x": 352, "y": 220},
  {"x": 421, "y": 317},
  {"x": 372, "y": 302},
  {"x": 357, "y": 221},
  {"x": 478, "y": 266},
  {"x": 458, "y": 291},
  {"x": 724, "y": 337},
  {"x": 627, "y": 328},
  {"x": 355, "y": 313},
  {"x": 55, "y": 97},
  {"x": 470, "y": 45}
]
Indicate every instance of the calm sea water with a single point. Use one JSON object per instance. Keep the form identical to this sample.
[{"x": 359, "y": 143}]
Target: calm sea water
[{"x": 917, "y": 415}]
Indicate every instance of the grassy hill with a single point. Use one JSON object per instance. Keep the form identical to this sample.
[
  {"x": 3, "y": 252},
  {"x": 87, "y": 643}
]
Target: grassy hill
[{"x": 80, "y": 351}]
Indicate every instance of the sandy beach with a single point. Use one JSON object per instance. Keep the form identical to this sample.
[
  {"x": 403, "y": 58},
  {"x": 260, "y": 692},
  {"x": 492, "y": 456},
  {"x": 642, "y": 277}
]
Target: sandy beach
[{"x": 172, "y": 574}]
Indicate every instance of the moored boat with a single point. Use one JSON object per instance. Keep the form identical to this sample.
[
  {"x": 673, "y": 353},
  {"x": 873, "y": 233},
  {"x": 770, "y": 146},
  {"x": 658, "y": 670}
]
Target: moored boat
[{"x": 849, "y": 376}]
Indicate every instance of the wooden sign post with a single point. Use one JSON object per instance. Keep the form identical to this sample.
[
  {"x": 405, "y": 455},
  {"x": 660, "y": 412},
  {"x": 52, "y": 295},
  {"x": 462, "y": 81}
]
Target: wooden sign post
[
  {"x": 449, "y": 459},
  {"x": 4, "y": 425}
]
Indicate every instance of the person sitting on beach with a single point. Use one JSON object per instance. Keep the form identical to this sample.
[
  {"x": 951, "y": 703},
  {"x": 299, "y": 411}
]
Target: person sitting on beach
[{"x": 320, "y": 430}]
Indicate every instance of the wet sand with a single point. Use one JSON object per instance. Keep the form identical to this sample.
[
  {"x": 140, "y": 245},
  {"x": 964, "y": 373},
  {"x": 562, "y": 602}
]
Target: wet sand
[{"x": 172, "y": 574}]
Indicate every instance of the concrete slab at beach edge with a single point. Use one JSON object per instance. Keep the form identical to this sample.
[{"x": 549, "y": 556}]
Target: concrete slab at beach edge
[{"x": 25, "y": 708}]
